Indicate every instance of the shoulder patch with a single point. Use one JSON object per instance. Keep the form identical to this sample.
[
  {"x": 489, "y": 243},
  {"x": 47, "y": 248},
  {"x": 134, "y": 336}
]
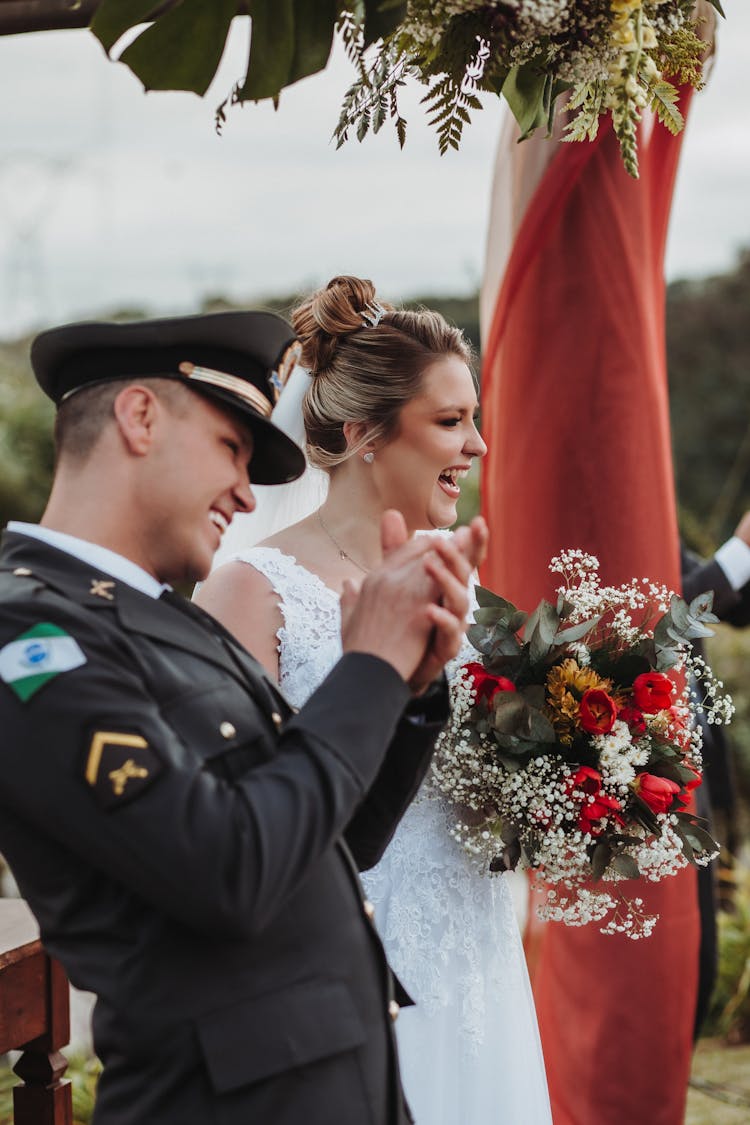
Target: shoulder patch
[
  {"x": 120, "y": 765},
  {"x": 36, "y": 657}
]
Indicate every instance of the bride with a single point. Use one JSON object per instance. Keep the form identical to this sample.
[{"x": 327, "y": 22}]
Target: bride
[{"x": 389, "y": 415}]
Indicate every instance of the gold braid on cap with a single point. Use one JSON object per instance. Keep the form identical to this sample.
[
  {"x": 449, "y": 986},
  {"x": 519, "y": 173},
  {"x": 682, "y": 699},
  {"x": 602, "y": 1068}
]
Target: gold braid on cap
[{"x": 240, "y": 387}]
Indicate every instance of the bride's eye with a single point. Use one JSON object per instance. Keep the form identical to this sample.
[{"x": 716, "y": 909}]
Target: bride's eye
[{"x": 449, "y": 421}]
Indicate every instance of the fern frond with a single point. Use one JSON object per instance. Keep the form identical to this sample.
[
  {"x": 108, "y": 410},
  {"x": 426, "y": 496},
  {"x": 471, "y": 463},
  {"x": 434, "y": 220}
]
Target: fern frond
[{"x": 664, "y": 103}]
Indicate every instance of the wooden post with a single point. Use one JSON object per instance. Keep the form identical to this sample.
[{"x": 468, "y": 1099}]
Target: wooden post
[{"x": 34, "y": 1018}]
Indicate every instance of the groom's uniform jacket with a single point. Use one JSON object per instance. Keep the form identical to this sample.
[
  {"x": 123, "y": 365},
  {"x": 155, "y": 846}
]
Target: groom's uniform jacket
[{"x": 179, "y": 834}]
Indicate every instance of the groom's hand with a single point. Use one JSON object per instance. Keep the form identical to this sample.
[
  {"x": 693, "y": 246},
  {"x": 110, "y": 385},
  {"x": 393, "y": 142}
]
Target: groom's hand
[{"x": 412, "y": 610}]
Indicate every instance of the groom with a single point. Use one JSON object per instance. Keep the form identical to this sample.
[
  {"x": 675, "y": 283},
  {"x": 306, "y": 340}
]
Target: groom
[{"x": 187, "y": 843}]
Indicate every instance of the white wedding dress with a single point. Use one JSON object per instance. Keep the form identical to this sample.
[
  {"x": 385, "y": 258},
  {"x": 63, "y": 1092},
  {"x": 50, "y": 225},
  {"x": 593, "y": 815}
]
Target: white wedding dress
[{"x": 470, "y": 1050}]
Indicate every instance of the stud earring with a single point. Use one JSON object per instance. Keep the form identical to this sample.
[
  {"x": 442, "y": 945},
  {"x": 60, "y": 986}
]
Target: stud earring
[{"x": 368, "y": 458}]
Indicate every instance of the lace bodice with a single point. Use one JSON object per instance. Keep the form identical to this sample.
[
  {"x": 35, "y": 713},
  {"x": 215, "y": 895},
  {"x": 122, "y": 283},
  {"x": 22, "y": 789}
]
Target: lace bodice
[{"x": 449, "y": 929}]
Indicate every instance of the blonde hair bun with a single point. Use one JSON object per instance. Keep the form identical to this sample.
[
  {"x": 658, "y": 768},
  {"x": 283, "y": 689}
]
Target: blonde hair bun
[{"x": 330, "y": 314}]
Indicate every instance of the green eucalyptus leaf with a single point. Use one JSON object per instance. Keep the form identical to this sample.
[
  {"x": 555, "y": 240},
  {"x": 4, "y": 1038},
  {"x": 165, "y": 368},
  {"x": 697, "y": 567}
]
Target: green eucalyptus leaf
[
  {"x": 508, "y": 712},
  {"x": 517, "y": 620},
  {"x": 687, "y": 849},
  {"x": 114, "y": 17},
  {"x": 701, "y": 607},
  {"x": 700, "y": 840},
  {"x": 625, "y": 865},
  {"x": 645, "y": 815},
  {"x": 539, "y": 648},
  {"x": 487, "y": 597},
  {"x": 600, "y": 858},
  {"x": 575, "y": 632},
  {"x": 548, "y": 621},
  {"x": 678, "y": 612},
  {"x": 489, "y": 615},
  {"x": 503, "y": 643},
  {"x": 534, "y": 694},
  {"x": 478, "y": 636},
  {"x": 537, "y": 726},
  {"x": 183, "y": 48}
]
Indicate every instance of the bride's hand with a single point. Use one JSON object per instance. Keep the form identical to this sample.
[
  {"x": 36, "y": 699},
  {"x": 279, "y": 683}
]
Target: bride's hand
[{"x": 450, "y": 567}]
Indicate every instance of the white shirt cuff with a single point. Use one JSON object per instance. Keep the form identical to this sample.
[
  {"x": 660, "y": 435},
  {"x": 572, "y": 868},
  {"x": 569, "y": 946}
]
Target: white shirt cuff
[{"x": 734, "y": 559}]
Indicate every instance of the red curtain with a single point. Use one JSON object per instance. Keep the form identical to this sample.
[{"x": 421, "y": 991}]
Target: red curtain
[{"x": 575, "y": 413}]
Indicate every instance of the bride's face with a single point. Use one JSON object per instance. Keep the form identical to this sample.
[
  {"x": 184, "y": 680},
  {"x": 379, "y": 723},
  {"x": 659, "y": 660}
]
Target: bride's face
[{"x": 421, "y": 469}]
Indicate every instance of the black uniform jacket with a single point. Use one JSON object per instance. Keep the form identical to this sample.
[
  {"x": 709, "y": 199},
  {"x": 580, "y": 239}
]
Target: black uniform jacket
[
  {"x": 178, "y": 832},
  {"x": 733, "y": 607}
]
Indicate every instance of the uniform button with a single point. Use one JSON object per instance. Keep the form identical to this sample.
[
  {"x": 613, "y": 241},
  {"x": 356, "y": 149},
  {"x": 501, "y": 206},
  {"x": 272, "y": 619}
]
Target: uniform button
[
  {"x": 22, "y": 572},
  {"x": 393, "y": 1010},
  {"x": 227, "y": 729},
  {"x": 369, "y": 909},
  {"x": 276, "y": 719}
]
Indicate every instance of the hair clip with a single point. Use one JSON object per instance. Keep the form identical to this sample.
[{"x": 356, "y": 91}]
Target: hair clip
[{"x": 372, "y": 314}]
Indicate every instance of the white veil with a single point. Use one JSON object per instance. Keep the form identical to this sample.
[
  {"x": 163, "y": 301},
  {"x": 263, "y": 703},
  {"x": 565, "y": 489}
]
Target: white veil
[{"x": 278, "y": 505}]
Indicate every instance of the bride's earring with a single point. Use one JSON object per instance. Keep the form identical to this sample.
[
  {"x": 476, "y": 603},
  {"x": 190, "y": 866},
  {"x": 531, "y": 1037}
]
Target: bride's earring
[{"x": 368, "y": 458}]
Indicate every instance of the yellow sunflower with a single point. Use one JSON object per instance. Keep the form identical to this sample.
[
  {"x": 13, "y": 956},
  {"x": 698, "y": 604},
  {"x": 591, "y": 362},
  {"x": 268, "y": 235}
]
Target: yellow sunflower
[{"x": 566, "y": 683}]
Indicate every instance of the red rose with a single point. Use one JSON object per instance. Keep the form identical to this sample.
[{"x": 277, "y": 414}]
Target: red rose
[
  {"x": 485, "y": 684},
  {"x": 584, "y": 779},
  {"x": 634, "y": 718},
  {"x": 589, "y": 781},
  {"x": 593, "y": 812},
  {"x": 652, "y": 691},
  {"x": 657, "y": 792},
  {"x": 597, "y": 711}
]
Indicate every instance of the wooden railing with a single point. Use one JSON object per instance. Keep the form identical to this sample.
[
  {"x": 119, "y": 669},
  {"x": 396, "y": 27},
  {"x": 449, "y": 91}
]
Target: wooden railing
[{"x": 34, "y": 1018}]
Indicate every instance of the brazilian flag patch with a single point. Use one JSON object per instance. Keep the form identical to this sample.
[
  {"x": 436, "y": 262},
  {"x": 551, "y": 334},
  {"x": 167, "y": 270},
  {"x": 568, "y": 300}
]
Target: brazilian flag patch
[{"x": 36, "y": 657}]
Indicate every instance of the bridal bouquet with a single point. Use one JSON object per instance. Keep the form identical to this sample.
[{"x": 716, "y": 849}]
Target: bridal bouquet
[
  {"x": 572, "y": 752},
  {"x": 614, "y": 56}
]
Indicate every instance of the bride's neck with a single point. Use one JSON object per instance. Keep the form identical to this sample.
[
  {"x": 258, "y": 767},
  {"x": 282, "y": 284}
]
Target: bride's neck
[{"x": 352, "y": 516}]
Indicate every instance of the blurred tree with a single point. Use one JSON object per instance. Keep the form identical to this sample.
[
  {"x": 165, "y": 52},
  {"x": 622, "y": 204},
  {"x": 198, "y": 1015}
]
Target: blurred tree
[{"x": 708, "y": 349}]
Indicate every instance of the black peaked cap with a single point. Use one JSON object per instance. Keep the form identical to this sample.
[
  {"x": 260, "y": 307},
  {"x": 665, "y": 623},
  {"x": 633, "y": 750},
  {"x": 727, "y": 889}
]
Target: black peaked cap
[{"x": 240, "y": 359}]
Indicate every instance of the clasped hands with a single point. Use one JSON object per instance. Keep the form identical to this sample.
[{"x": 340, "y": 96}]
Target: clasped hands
[{"x": 411, "y": 611}]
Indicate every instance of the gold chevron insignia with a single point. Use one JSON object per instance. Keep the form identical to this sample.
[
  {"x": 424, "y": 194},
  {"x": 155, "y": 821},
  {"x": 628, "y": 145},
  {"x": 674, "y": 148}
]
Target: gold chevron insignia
[
  {"x": 104, "y": 738},
  {"x": 102, "y": 588}
]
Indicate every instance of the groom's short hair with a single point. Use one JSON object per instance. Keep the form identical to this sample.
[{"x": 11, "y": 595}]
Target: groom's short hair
[
  {"x": 240, "y": 360},
  {"x": 82, "y": 418}
]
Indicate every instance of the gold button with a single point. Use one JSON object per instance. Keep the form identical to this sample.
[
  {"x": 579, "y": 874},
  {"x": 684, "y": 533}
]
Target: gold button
[
  {"x": 393, "y": 1010},
  {"x": 276, "y": 719},
  {"x": 22, "y": 572},
  {"x": 369, "y": 909},
  {"x": 227, "y": 729}
]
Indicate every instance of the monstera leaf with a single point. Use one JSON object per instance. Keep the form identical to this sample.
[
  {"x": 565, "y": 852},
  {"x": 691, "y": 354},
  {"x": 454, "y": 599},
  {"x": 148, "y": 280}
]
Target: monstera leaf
[{"x": 182, "y": 43}]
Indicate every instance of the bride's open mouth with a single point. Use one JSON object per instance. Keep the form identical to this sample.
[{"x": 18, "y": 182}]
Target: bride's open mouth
[{"x": 449, "y": 478}]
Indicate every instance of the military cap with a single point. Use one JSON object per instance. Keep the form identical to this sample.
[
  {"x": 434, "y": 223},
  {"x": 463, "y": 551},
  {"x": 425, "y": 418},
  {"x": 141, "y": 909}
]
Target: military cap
[{"x": 241, "y": 359}]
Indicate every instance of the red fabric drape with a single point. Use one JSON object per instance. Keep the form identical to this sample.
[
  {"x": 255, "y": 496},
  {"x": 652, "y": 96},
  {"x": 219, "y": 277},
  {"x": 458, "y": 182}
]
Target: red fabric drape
[{"x": 575, "y": 413}]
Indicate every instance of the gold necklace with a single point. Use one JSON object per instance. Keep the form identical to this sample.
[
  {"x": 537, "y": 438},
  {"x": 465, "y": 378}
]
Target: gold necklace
[{"x": 342, "y": 553}]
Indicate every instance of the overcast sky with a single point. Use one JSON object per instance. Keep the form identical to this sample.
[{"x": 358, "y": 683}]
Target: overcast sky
[{"x": 112, "y": 198}]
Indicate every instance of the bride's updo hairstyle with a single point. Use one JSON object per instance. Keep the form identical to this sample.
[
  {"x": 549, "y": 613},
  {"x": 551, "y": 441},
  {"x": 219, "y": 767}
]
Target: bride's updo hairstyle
[{"x": 361, "y": 372}]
